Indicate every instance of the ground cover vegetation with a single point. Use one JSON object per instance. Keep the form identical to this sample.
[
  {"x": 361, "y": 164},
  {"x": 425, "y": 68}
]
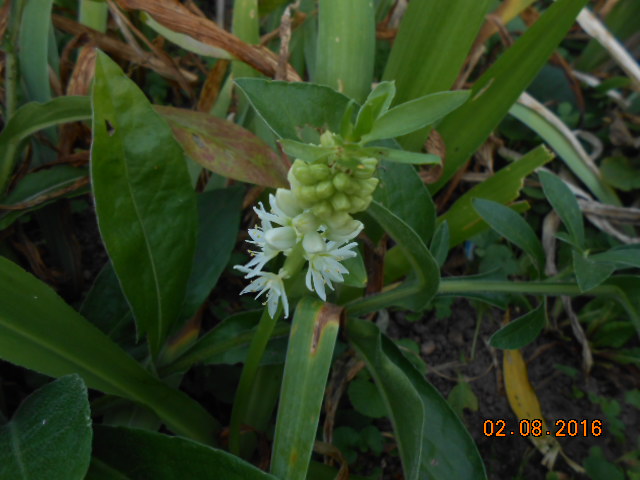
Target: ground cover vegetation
[{"x": 323, "y": 239}]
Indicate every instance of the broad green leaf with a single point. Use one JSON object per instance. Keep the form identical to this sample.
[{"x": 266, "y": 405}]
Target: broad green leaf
[
  {"x": 421, "y": 285},
  {"x": 357, "y": 276},
  {"x": 365, "y": 398},
  {"x": 225, "y": 148},
  {"x": 33, "y": 49},
  {"x": 503, "y": 187},
  {"x": 313, "y": 335},
  {"x": 121, "y": 453},
  {"x": 107, "y": 308},
  {"x": 294, "y": 110},
  {"x": 402, "y": 156},
  {"x": 447, "y": 31},
  {"x": 572, "y": 155},
  {"x": 228, "y": 342},
  {"x": 219, "y": 212},
  {"x": 522, "y": 331},
  {"x": 432, "y": 441},
  {"x": 499, "y": 87},
  {"x": 33, "y": 117},
  {"x": 50, "y": 434},
  {"x": 590, "y": 274},
  {"x": 565, "y": 204},
  {"x": 35, "y": 326},
  {"x": 146, "y": 209},
  {"x": 41, "y": 188},
  {"x": 402, "y": 191},
  {"x": 415, "y": 114},
  {"x": 513, "y": 227},
  {"x": 346, "y": 46}
]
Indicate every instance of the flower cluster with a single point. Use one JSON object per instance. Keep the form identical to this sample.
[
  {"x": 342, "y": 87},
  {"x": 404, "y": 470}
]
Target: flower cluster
[{"x": 310, "y": 223}]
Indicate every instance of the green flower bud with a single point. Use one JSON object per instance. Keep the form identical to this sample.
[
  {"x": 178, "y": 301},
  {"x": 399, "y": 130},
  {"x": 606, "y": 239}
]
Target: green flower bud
[
  {"x": 307, "y": 195},
  {"x": 305, "y": 223},
  {"x": 319, "y": 171},
  {"x": 325, "y": 189},
  {"x": 302, "y": 173},
  {"x": 367, "y": 187},
  {"x": 287, "y": 201},
  {"x": 322, "y": 210},
  {"x": 366, "y": 168},
  {"x": 338, "y": 220},
  {"x": 326, "y": 139},
  {"x": 341, "y": 181},
  {"x": 340, "y": 202},
  {"x": 359, "y": 204}
]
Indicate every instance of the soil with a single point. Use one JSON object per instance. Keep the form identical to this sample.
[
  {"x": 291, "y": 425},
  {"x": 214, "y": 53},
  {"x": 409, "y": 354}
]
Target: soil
[{"x": 446, "y": 348}]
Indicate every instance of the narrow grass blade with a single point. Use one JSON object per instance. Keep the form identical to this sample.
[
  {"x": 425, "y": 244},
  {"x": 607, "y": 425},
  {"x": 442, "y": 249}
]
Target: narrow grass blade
[
  {"x": 447, "y": 30},
  {"x": 546, "y": 124},
  {"x": 503, "y": 187},
  {"x": 34, "y": 49},
  {"x": 146, "y": 208},
  {"x": 33, "y": 117},
  {"x": 496, "y": 91},
  {"x": 346, "y": 46},
  {"x": 313, "y": 336},
  {"x": 39, "y": 331}
]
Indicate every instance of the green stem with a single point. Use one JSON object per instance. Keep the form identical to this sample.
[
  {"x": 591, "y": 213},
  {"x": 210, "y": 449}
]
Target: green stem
[
  {"x": 247, "y": 378},
  {"x": 452, "y": 287}
]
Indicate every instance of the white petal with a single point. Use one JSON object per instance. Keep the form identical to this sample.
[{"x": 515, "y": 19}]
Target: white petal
[
  {"x": 281, "y": 238},
  {"x": 313, "y": 243}
]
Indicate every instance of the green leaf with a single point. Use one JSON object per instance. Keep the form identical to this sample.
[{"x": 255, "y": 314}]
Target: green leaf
[
  {"x": 565, "y": 204},
  {"x": 225, "y": 148},
  {"x": 462, "y": 397},
  {"x": 513, "y": 227},
  {"x": 440, "y": 243},
  {"x": 132, "y": 454},
  {"x": 292, "y": 110},
  {"x": 415, "y": 114},
  {"x": 31, "y": 118},
  {"x": 146, "y": 209},
  {"x": 590, "y": 274},
  {"x": 622, "y": 257},
  {"x": 620, "y": 173},
  {"x": 41, "y": 188},
  {"x": 503, "y": 187},
  {"x": 228, "y": 343},
  {"x": 626, "y": 288},
  {"x": 313, "y": 335},
  {"x": 33, "y": 49},
  {"x": 305, "y": 151},
  {"x": 50, "y": 434},
  {"x": 377, "y": 103},
  {"x": 432, "y": 441},
  {"x": 599, "y": 468},
  {"x": 365, "y": 398},
  {"x": 357, "y": 276},
  {"x": 499, "y": 87},
  {"x": 522, "y": 331},
  {"x": 35, "y": 326},
  {"x": 447, "y": 31},
  {"x": 345, "y": 49},
  {"x": 402, "y": 191},
  {"x": 402, "y": 156},
  {"x": 219, "y": 212},
  {"x": 567, "y": 151},
  {"x": 415, "y": 292}
]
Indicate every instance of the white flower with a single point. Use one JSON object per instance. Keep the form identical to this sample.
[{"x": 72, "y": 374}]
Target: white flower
[
  {"x": 325, "y": 267},
  {"x": 270, "y": 283}
]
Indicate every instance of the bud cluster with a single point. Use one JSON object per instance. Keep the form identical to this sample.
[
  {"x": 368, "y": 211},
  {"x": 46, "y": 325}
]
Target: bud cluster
[{"x": 334, "y": 186}]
